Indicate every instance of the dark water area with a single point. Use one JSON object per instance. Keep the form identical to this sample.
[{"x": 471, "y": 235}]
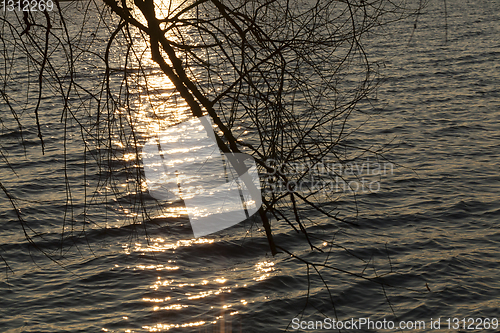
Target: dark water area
[{"x": 431, "y": 231}]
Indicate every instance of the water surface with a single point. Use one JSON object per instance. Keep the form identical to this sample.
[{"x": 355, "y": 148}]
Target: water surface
[{"x": 432, "y": 227}]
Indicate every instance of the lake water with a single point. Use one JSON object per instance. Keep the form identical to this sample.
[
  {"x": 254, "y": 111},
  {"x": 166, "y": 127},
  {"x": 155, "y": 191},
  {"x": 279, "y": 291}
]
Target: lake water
[{"x": 431, "y": 230}]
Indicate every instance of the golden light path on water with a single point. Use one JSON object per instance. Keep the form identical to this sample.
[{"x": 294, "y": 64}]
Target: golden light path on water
[
  {"x": 171, "y": 292},
  {"x": 156, "y": 104},
  {"x": 159, "y": 106}
]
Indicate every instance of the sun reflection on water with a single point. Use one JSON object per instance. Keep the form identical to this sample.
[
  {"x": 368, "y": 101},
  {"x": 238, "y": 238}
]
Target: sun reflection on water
[
  {"x": 155, "y": 106},
  {"x": 166, "y": 327},
  {"x": 155, "y": 103},
  {"x": 161, "y": 245},
  {"x": 181, "y": 290},
  {"x": 177, "y": 291},
  {"x": 264, "y": 268}
]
